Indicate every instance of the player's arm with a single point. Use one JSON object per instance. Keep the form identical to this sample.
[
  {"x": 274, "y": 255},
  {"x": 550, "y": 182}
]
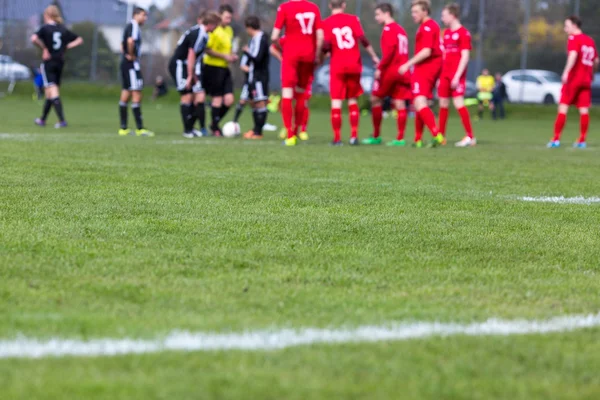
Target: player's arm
[
  {"x": 571, "y": 60},
  {"x": 191, "y": 64},
  {"x": 78, "y": 41},
  {"x": 211, "y": 52},
  {"x": 596, "y": 63},
  {"x": 276, "y": 52},
  {"x": 320, "y": 40},
  {"x": 419, "y": 57},
  {"x": 278, "y": 26},
  {"x": 131, "y": 48},
  {"x": 35, "y": 39},
  {"x": 389, "y": 48},
  {"x": 369, "y": 48},
  {"x": 465, "y": 55}
]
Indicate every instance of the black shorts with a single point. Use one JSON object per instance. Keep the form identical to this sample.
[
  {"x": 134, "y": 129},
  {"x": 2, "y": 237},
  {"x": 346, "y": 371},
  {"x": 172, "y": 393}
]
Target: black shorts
[
  {"x": 217, "y": 81},
  {"x": 179, "y": 73},
  {"x": 52, "y": 72},
  {"x": 131, "y": 75},
  {"x": 258, "y": 89}
]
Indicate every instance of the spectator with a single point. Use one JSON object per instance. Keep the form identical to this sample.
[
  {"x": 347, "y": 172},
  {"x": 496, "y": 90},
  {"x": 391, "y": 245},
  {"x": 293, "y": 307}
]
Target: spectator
[
  {"x": 485, "y": 85},
  {"x": 160, "y": 88},
  {"x": 498, "y": 97}
]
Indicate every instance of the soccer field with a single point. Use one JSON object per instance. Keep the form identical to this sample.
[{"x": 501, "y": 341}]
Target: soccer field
[{"x": 112, "y": 238}]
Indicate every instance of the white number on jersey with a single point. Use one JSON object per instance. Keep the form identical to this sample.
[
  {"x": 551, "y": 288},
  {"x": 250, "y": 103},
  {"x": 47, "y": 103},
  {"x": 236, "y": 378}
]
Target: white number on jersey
[
  {"x": 56, "y": 40},
  {"x": 307, "y": 22},
  {"x": 344, "y": 37},
  {"x": 402, "y": 45},
  {"x": 588, "y": 54}
]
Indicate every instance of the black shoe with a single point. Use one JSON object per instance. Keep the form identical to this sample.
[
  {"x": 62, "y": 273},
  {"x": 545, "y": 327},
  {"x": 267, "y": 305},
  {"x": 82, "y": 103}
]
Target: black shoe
[
  {"x": 354, "y": 142},
  {"x": 338, "y": 143}
]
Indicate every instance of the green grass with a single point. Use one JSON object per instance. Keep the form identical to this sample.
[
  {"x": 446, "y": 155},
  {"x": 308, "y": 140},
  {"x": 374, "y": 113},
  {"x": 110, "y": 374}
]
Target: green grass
[{"x": 108, "y": 236}]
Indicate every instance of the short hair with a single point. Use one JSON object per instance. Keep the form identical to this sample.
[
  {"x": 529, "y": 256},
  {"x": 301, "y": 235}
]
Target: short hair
[
  {"x": 225, "y": 8},
  {"x": 337, "y": 3},
  {"x": 424, "y": 4},
  {"x": 210, "y": 18},
  {"x": 385, "y": 8},
  {"x": 139, "y": 10},
  {"x": 252, "y": 21},
  {"x": 576, "y": 21},
  {"x": 454, "y": 9}
]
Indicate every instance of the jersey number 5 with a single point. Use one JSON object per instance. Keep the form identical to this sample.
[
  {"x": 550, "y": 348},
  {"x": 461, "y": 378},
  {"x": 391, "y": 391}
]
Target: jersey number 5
[
  {"x": 588, "y": 54},
  {"x": 56, "y": 40},
  {"x": 344, "y": 37},
  {"x": 307, "y": 22}
]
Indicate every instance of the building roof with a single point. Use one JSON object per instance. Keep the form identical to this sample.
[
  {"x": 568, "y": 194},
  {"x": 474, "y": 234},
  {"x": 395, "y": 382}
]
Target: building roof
[{"x": 101, "y": 12}]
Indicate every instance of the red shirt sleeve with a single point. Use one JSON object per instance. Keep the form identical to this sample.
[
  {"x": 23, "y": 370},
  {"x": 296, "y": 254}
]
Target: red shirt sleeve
[
  {"x": 388, "y": 48},
  {"x": 318, "y": 21},
  {"x": 572, "y": 44},
  {"x": 465, "y": 42},
  {"x": 428, "y": 38},
  {"x": 280, "y": 19},
  {"x": 358, "y": 29}
]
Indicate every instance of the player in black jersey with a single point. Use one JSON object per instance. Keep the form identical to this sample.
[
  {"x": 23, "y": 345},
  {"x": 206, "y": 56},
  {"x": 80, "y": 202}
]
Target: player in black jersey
[
  {"x": 258, "y": 75},
  {"x": 131, "y": 74},
  {"x": 54, "y": 39},
  {"x": 184, "y": 68},
  {"x": 245, "y": 94}
]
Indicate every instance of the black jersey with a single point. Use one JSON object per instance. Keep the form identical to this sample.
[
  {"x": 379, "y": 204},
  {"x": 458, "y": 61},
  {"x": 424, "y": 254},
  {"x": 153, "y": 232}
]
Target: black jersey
[
  {"x": 258, "y": 57},
  {"x": 132, "y": 30},
  {"x": 56, "y": 37},
  {"x": 195, "y": 38}
]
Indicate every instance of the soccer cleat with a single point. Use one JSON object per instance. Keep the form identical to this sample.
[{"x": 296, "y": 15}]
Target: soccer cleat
[
  {"x": 303, "y": 136},
  {"x": 199, "y": 133},
  {"x": 418, "y": 144},
  {"x": 124, "y": 132},
  {"x": 60, "y": 125},
  {"x": 202, "y": 133},
  {"x": 354, "y": 142},
  {"x": 283, "y": 134},
  {"x": 580, "y": 145},
  {"x": 445, "y": 141},
  {"x": 290, "y": 142},
  {"x": 554, "y": 144},
  {"x": 250, "y": 135},
  {"x": 466, "y": 142},
  {"x": 144, "y": 133},
  {"x": 270, "y": 128},
  {"x": 436, "y": 141},
  {"x": 337, "y": 143},
  {"x": 40, "y": 122},
  {"x": 397, "y": 143},
  {"x": 372, "y": 141},
  {"x": 189, "y": 135}
]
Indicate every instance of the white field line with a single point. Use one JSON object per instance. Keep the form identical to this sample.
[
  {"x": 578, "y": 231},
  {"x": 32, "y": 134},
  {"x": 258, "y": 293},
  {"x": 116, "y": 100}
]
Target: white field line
[
  {"x": 562, "y": 200},
  {"x": 265, "y": 340}
]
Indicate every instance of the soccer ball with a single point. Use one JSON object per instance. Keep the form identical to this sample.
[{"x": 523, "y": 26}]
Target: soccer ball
[{"x": 231, "y": 129}]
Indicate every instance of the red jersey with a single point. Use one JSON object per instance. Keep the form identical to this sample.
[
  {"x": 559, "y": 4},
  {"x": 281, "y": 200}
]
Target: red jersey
[
  {"x": 301, "y": 20},
  {"x": 454, "y": 43},
  {"x": 394, "y": 48},
  {"x": 583, "y": 71},
  {"x": 428, "y": 37},
  {"x": 343, "y": 33}
]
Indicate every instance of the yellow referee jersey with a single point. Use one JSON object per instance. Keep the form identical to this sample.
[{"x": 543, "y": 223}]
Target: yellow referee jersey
[{"x": 220, "y": 40}]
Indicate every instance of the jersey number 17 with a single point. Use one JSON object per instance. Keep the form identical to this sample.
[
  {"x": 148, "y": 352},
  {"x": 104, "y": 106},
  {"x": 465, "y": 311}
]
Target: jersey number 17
[{"x": 306, "y": 21}]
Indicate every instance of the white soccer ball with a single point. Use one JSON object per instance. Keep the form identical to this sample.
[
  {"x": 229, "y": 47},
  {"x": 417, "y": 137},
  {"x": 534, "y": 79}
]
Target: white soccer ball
[{"x": 231, "y": 129}]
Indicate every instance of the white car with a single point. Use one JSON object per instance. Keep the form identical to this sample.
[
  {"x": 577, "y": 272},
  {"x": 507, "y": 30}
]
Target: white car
[
  {"x": 11, "y": 70},
  {"x": 532, "y": 86}
]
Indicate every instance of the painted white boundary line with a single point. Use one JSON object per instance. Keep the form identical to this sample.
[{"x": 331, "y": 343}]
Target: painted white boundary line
[
  {"x": 280, "y": 339},
  {"x": 562, "y": 200}
]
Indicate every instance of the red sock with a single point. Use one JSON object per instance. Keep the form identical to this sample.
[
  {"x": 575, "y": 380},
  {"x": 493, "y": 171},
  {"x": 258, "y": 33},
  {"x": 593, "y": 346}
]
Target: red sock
[
  {"x": 300, "y": 111},
  {"x": 561, "y": 120},
  {"x": 585, "y": 124},
  {"x": 466, "y": 121},
  {"x": 377, "y": 115},
  {"x": 354, "y": 120},
  {"x": 336, "y": 123},
  {"x": 306, "y": 117},
  {"x": 429, "y": 120},
  {"x": 401, "y": 124},
  {"x": 418, "y": 128},
  {"x": 287, "y": 112},
  {"x": 443, "y": 120}
]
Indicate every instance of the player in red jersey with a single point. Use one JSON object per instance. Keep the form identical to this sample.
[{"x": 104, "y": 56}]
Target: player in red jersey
[
  {"x": 457, "y": 50},
  {"x": 343, "y": 32},
  {"x": 427, "y": 64},
  {"x": 388, "y": 82},
  {"x": 276, "y": 51},
  {"x": 577, "y": 80},
  {"x": 301, "y": 20}
]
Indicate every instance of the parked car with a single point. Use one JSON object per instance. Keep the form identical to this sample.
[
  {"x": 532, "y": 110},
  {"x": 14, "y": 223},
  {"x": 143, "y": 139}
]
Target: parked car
[
  {"x": 596, "y": 89},
  {"x": 535, "y": 86},
  {"x": 11, "y": 70},
  {"x": 322, "y": 78}
]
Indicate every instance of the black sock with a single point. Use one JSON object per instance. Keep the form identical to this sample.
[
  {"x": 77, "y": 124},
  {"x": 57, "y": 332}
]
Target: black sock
[
  {"x": 201, "y": 115},
  {"x": 123, "y": 114},
  {"x": 238, "y": 112},
  {"x": 260, "y": 118},
  {"x": 137, "y": 113},
  {"x": 224, "y": 110},
  {"x": 46, "y": 110},
  {"x": 216, "y": 117},
  {"x": 186, "y": 117},
  {"x": 59, "y": 109}
]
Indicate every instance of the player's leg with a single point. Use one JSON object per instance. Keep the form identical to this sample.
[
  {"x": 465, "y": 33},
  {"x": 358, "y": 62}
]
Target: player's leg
[
  {"x": 199, "y": 104},
  {"x": 353, "y": 91},
  {"x": 419, "y": 126},
  {"x": 228, "y": 97},
  {"x": 242, "y": 103},
  {"x": 337, "y": 92},
  {"x": 559, "y": 124},
  {"x": 381, "y": 89},
  {"x": 186, "y": 108},
  {"x": 463, "y": 112},
  {"x": 400, "y": 106},
  {"x": 423, "y": 90},
  {"x": 136, "y": 100},
  {"x": 304, "y": 126},
  {"x": 584, "y": 101},
  {"x": 48, "y": 102},
  {"x": 58, "y": 106},
  {"x": 444, "y": 93},
  {"x": 289, "y": 80},
  {"x": 259, "y": 95},
  {"x": 305, "y": 76}
]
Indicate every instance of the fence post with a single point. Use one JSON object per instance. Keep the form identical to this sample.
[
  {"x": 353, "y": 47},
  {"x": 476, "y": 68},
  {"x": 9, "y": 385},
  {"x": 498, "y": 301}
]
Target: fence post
[
  {"x": 480, "y": 29},
  {"x": 525, "y": 45}
]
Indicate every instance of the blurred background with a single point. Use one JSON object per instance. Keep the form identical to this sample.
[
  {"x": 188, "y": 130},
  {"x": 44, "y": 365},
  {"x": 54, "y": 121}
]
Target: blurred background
[{"x": 507, "y": 34}]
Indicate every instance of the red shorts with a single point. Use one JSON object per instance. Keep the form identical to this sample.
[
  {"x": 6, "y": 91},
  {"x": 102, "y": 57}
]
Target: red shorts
[
  {"x": 392, "y": 84},
  {"x": 344, "y": 86},
  {"x": 296, "y": 73},
  {"x": 424, "y": 79},
  {"x": 574, "y": 94},
  {"x": 445, "y": 90}
]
